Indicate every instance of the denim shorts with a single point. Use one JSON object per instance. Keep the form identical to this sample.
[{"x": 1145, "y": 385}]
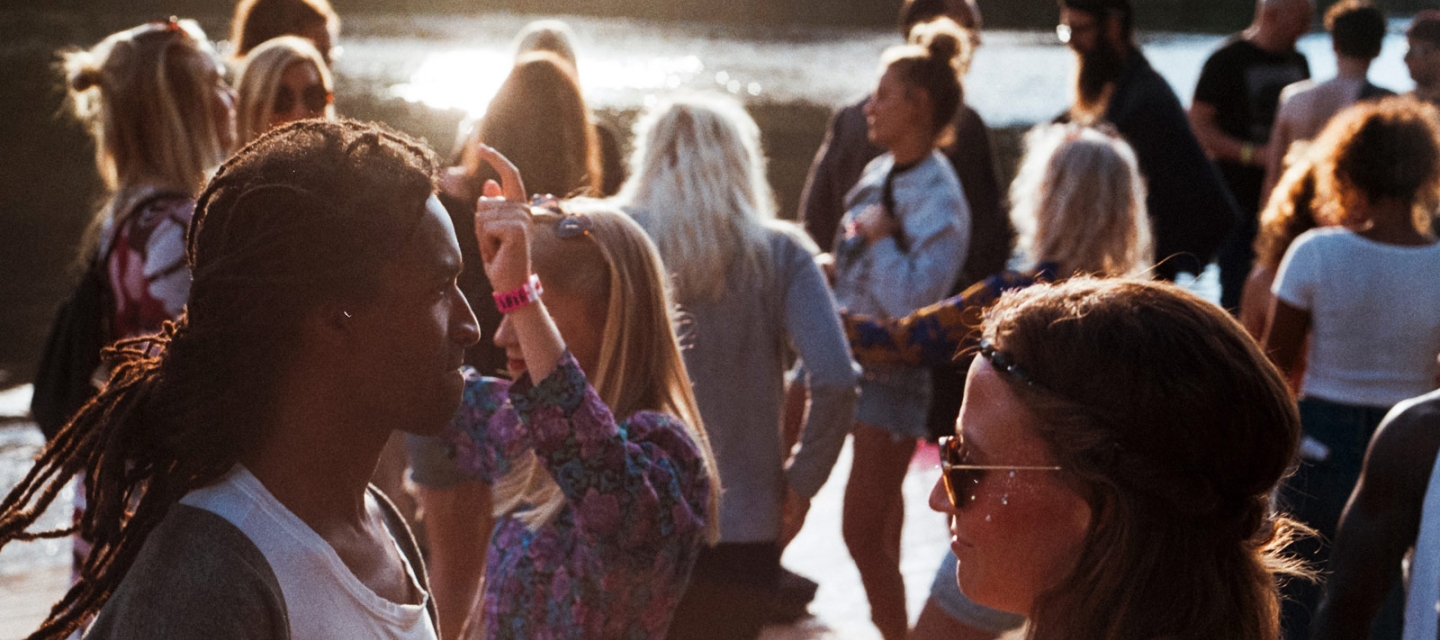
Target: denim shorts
[
  {"x": 945, "y": 593},
  {"x": 896, "y": 400}
]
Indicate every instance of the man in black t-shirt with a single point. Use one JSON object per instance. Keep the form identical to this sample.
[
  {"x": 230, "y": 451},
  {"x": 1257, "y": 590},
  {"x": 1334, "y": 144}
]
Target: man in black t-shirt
[{"x": 1234, "y": 109}]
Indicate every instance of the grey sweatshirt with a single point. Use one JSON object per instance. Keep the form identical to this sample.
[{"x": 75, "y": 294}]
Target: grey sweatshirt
[{"x": 736, "y": 349}]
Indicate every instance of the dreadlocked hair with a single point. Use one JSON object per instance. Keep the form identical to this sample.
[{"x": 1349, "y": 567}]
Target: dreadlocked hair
[{"x": 306, "y": 214}]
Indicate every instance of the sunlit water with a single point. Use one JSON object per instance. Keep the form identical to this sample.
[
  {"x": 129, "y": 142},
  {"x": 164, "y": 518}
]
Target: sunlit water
[{"x": 1017, "y": 77}]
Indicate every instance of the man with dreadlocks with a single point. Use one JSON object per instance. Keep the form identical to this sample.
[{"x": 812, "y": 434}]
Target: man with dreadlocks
[{"x": 227, "y": 460}]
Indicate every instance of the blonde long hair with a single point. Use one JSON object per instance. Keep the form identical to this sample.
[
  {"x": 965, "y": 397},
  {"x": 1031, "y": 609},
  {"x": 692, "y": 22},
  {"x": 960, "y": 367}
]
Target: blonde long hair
[
  {"x": 147, "y": 95},
  {"x": 640, "y": 366},
  {"x": 699, "y": 173},
  {"x": 259, "y": 81},
  {"x": 1079, "y": 201}
]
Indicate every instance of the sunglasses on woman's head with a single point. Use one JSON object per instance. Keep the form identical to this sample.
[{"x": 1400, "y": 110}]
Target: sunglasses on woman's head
[
  {"x": 961, "y": 477},
  {"x": 314, "y": 97}
]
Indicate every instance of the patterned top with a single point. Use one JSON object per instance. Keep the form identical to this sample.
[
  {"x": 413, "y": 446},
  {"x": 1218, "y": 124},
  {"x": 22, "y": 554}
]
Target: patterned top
[
  {"x": 616, "y": 559},
  {"x": 931, "y": 336},
  {"x": 149, "y": 279}
]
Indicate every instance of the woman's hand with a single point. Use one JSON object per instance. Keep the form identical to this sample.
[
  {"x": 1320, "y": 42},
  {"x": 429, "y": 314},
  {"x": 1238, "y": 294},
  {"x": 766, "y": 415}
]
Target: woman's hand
[
  {"x": 502, "y": 225},
  {"x": 874, "y": 224}
]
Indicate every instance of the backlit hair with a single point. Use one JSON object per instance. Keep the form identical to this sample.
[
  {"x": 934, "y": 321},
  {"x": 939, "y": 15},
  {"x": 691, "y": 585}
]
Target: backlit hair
[
  {"x": 538, "y": 119},
  {"x": 698, "y": 172},
  {"x": 1174, "y": 427},
  {"x": 259, "y": 81},
  {"x": 616, "y": 268},
  {"x": 549, "y": 35},
  {"x": 256, "y": 21},
  {"x": 1388, "y": 149},
  {"x": 1079, "y": 201},
  {"x": 1290, "y": 210},
  {"x": 148, "y": 96}
]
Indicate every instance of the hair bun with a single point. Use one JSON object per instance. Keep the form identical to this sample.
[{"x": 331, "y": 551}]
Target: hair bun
[
  {"x": 84, "y": 78},
  {"x": 944, "y": 45}
]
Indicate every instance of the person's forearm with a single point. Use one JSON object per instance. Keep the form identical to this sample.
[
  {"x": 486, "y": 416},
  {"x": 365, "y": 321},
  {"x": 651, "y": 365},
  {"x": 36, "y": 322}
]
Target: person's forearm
[{"x": 540, "y": 341}]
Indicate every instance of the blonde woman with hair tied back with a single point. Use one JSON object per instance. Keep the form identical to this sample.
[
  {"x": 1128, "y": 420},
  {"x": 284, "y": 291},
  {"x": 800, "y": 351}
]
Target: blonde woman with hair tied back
[
  {"x": 604, "y": 486},
  {"x": 283, "y": 80},
  {"x": 752, "y": 294},
  {"x": 163, "y": 121}
]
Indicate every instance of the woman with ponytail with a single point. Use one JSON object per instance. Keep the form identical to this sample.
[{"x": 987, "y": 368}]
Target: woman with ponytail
[
  {"x": 1112, "y": 471},
  {"x": 227, "y": 459},
  {"x": 163, "y": 120},
  {"x": 906, "y": 232}
]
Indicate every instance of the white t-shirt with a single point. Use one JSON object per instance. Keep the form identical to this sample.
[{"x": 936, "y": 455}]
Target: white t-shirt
[
  {"x": 323, "y": 598},
  {"x": 1374, "y": 315}
]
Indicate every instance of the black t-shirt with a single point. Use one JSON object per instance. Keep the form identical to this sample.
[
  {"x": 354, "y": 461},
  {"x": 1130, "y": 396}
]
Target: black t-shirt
[{"x": 1243, "y": 83}]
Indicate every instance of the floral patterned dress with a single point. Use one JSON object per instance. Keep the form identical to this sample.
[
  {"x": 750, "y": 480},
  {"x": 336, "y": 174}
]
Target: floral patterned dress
[{"x": 615, "y": 561}]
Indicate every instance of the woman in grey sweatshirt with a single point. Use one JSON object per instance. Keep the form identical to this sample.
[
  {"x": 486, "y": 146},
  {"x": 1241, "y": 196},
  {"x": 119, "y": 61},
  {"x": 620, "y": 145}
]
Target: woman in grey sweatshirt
[{"x": 751, "y": 295}]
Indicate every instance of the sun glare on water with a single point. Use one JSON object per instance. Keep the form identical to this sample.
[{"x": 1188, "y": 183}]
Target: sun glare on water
[{"x": 467, "y": 79}]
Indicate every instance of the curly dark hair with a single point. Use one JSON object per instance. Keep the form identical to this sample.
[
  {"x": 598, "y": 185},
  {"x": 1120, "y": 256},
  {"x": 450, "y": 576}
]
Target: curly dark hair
[
  {"x": 307, "y": 213},
  {"x": 1374, "y": 151}
]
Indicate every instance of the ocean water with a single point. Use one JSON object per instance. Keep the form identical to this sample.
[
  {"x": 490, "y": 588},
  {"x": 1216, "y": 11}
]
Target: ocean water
[{"x": 1017, "y": 77}]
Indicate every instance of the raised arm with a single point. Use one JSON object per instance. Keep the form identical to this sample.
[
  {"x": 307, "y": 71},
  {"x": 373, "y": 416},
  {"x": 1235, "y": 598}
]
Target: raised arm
[{"x": 632, "y": 486}]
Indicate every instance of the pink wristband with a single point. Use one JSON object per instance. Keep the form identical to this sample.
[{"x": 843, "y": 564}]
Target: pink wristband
[{"x": 520, "y": 296}]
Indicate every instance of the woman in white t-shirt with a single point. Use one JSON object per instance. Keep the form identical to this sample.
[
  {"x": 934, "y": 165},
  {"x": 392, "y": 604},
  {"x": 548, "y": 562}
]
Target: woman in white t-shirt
[{"x": 1367, "y": 292}]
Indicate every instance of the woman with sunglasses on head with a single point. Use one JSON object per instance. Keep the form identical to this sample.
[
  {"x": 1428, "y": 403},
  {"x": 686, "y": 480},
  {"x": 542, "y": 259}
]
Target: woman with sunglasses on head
[
  {"x": 283, "y": 80},
  {"x": 1112, "y": 471},
  {"x": 1079, "y": 203},
  {"x": 603, "y": 482}
]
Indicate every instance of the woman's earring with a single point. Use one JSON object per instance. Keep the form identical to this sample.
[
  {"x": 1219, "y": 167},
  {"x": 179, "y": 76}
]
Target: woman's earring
[{"x": 346, "y": 314}]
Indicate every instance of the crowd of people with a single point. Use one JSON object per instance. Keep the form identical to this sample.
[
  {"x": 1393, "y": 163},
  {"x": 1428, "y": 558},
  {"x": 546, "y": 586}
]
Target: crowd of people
[{"x": 617, "y": 404}]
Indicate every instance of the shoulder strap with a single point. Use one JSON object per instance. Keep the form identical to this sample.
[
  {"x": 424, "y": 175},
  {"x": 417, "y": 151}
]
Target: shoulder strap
[{"x": 406, "y": 541}]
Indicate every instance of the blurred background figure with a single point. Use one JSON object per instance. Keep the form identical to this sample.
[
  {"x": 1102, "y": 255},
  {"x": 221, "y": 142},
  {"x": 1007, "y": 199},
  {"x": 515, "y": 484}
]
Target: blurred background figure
[
  {"x": 1357, "y": 29},
  {"x": 906, "y": 232},
  {"x": 1422, "y": 56},
  {"x": 1233, "y": 111},
  {"x": 256, "y": 21},
  {"x": 1290, "y": 212},
  {"x": 282, "y": 80},
  {"x": 556, "y": 37},
  {"x": 752, "y": 295},
  {"x": 540, "y": 121},
  {"x": 163, "y": 120},
  {"x": 1191, "y": 208},
  {"x": 1367, "y": 293}
]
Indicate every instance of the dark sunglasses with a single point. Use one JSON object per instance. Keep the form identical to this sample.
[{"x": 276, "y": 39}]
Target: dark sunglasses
[
  {"x": 961, "y": 477},
  {"x": 314, "y": 97}
]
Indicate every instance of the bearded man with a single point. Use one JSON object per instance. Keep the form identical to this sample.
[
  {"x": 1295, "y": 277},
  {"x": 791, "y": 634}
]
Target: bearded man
[{"x": 1191, "y": 209}]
